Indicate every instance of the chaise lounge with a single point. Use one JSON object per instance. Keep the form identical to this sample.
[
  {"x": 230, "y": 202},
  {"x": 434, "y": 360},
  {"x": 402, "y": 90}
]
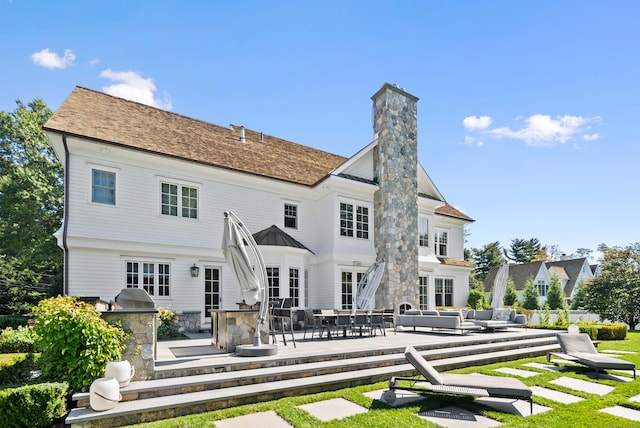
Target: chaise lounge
[
  {"x": 578, "y": 348},
  {"x": 477, "y": 385}
]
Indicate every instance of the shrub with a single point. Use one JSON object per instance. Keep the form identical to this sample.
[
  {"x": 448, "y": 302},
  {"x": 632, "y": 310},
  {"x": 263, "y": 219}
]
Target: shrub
[
  {"x": 168, "y": 327},
  {"x": 510, "y": 294},
  {"x": 530, "y": 295},
  {"x": 476, "y": 299},
  {"x": 76, "y": 343},
  {"x": 604, "y": 331},
  {"x": 19, "y": 370},
  {"x": 13, "y": 321},
  {"x": 17, "y": 340},
  {"x": 37, "y": 405}
]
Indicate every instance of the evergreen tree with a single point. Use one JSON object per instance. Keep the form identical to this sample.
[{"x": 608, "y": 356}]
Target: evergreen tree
[
  {"x": 530, "y": 295},
  {"x": 524, "y": 250},
  {"x": 579, "y": 300},
  {"x": 486, "y": 257},
  {"x": 555, "y": 296},
  {"x": 510, "y": 294}
]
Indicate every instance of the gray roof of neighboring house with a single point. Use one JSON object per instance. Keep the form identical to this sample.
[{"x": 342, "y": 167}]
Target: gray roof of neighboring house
[
  {"x": 273, "y": 235},
  {"x": 572, "y": 267},
  {"x": 519, "y": 273}
]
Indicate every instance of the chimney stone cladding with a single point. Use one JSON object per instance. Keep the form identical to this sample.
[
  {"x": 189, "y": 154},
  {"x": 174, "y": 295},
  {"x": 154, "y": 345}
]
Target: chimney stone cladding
[{"x": 396, "y": 200}]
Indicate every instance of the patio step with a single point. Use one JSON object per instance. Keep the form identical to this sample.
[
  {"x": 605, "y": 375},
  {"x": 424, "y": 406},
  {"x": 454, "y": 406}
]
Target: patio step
[{"x": 220, "y": 386}]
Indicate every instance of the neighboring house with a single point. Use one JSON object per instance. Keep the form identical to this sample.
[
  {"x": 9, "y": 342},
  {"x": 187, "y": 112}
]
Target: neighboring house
[
  {"x": 570, "y": 272},
  {"x": 146, "y": 189}
]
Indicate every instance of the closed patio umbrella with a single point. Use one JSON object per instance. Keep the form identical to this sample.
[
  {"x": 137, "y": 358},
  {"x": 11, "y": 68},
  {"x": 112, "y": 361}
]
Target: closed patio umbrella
[
  {"x": 500, "y": 286},
  {"x": 252, "y": 282},
  {"x": 368, "y": 285}
]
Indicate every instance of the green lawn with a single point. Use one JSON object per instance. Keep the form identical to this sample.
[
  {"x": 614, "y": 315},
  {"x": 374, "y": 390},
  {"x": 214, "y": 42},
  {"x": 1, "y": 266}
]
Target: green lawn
[{"x": 582, "y": 414}]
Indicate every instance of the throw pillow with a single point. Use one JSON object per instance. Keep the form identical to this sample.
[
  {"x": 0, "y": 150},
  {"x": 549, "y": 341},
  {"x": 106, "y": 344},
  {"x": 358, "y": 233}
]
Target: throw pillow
[{"x": 501, "y": 314}]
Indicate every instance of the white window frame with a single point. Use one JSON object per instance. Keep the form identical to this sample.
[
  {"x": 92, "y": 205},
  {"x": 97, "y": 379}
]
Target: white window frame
[
  {"x": 441, "y": 242},
  {"x": 444, "y": 287},
  {"x": 543, "y": 287},
  {"x": 294, "y": 286},
  {"x": 288, "y": 215},
  {"x": 156, "y": 281},
  {"x": 423, "y": 292},
  {"x": 273, "y": 279},
  {"x": 208, "y": 307},
  {"x": 354, "y": 227},
  {"x": 107, "y": 169},
  {"x": 423, "y": 231},
  {"x": 179, "y": 207}
]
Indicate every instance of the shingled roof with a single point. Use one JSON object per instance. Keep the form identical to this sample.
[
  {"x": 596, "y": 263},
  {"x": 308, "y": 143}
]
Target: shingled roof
[
  {"x": 111, "y": 120},
  {"x": 519, "y": 273}
]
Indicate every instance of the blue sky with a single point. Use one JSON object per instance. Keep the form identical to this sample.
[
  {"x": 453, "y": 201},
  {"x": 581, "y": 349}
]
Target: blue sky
[{"x": 527, "y": 112}]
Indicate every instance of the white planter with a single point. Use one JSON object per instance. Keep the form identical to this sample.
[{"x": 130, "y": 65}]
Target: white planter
[
  {"x": 104, "y": 394},
  {"x": 121, "y": 370}
]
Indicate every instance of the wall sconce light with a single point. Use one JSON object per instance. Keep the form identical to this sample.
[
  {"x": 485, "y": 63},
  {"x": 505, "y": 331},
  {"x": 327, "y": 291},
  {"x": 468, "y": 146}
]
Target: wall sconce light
[{"x": 195, "y": 271}]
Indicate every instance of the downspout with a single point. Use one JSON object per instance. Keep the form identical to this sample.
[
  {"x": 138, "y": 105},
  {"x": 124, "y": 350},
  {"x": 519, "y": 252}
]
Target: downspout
[{"x": 65, "y": 219}]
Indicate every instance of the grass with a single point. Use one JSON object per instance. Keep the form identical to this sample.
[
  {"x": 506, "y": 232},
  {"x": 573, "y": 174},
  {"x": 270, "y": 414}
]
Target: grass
[{"x": 581, "y": 414}]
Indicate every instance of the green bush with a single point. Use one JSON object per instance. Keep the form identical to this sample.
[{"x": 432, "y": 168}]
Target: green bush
[
  {"x": 19, "y": 370},
  {"x": 168, "y": 327},
  {"x": 604, "y": 331},
  {"x": 75, "y": 342},
  {"x": 475, "y": 299},
  {"x": 17, "y": 340},
  {"x": 37, "y": 405},
  {"x": 13, "y": 321}
]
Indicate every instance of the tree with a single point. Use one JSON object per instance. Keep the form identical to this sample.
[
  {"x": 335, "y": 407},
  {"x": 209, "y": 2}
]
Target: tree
[
  {"x": 510, "y": 294},
  {"x": 523, "y": 250},
  {"x": 31, "y": 206},
  {"x": 530, "y": 295},
  {"x": 616, "y": 294},
  {"x": 486, "y": 257},
  {"x": 579, "y": 300},
  {"x": 555, "y": 295}
]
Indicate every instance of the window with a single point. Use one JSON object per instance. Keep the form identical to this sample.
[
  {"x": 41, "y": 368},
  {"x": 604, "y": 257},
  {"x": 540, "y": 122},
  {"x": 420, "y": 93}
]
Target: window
[
  {"x": 424, "y": 293},
  {"x": 294, "y": 286},
  {"x": 212, "y": 296},
  {"x": 178, "y": 200},
  {"x": 423, "y": 232},
  {"x": 273, "y": 276},
  {"x": 444, "y": 292},
  {"x": 103, "y": 187},
  {"x": 347, "y": 221},
  {"x": 290, "y": 216},
  {"x": 347, "y": 290},
  {"x": 440, "y": 242},
  {"x": 154, "y": 278},
  {"x": 306, "y": 288},
  {"x": 542, "y": 288}
]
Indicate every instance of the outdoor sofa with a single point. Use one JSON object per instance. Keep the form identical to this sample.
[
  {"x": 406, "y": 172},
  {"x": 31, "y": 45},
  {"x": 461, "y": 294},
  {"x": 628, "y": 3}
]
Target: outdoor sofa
[
  {"x": 444, "y": 320},
  {"x": 496, "y": 319},
  {"x": 477, "y": 385}
]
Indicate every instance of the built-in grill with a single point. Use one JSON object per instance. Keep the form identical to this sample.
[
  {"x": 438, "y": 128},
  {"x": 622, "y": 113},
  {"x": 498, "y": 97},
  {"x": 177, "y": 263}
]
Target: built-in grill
[{"x": 134, "y": 298}]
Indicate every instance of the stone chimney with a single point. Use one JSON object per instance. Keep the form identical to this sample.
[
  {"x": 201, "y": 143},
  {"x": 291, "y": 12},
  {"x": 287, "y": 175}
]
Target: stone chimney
[{"x": 395, "y": 167}]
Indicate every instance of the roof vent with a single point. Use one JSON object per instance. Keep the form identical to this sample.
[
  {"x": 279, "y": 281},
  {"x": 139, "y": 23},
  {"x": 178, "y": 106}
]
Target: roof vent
[{"x": 242, "y": 140}]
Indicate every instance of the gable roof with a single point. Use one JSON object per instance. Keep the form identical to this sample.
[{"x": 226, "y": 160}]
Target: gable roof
[
  {"x": 572, "y": 267},
  {"x": 519, "y": 273},
  {"x": 273, "y": 235},
  {"x": 111, "y": 120}
]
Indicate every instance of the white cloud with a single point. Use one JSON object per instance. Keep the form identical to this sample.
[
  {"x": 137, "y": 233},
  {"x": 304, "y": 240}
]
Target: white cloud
[
  {"x": 542, "y": 130},
  {"x": 134, "y": 87},
  {"x": 591, "y": 137},
  {"x": 472, "y": 141},
  {"x": 47, "y": 59},
  {"x": 94, "y": 62},
  {"x": 474, "y": 123}
]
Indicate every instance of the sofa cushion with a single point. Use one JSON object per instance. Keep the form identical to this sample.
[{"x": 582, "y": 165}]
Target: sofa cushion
[
  {"x": 431, "y": 313},
  {"x": 413, "y": 312},
  {"x": 501, "y": 314}
]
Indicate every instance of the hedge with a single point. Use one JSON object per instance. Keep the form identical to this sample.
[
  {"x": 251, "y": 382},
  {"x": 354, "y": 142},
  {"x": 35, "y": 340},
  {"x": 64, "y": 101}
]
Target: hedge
[{"x": 37, "y": 405}]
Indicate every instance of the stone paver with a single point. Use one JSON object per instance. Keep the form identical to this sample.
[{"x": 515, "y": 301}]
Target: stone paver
[
  {"x": 517, "y": 372},
  {"x": 548, "y": 367},
  {"x": 623, "y": 412},
  {"x": 454, "y": 417},
  {"x": 550, "y": 394},
  {"x": 635, "y": 399},
  {"x": 508, "y": 405},
  {"x": 615, "y": 351},
  {"x": 583, "y": 385},
  {"x": 268, "y": 419},
  {"x": 402, "y": 397},
  {"x": 336, "y": 408}
]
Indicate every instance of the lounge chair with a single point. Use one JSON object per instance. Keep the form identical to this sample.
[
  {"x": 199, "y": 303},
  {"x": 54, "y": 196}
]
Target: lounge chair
[
  {"x": 477, "y": 385},
  {"x": 578, "y": 348}
]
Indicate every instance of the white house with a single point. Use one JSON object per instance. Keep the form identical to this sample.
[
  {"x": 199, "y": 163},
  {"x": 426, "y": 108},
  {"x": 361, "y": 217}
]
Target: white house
[{"x": 146, "y": 189}]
